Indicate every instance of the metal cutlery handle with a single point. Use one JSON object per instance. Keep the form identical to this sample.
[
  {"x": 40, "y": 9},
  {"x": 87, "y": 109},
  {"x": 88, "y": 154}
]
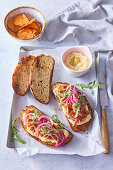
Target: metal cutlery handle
[{"x": 104, "y": 131}]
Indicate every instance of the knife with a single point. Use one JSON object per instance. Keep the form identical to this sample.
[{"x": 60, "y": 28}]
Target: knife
[{"x": 104, "y": 103}]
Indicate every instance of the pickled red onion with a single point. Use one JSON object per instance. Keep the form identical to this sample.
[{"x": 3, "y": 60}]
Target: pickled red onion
[
  {"x": 26, "y": 117},
  {"x": 78, "y": 118},
  {"x": 43, "y": 124},
  {"x": 75, "y": 99},
  {"x": 45, "y": 117},
  {"x": 58, "y": 137},
  {"x": 48, "y": 128},
  {"x": 63, "y": 140},
  {"x": 74, "y": 89},
  {"x": 66, "y": 99},
  {"x": 71, "y": 100}
]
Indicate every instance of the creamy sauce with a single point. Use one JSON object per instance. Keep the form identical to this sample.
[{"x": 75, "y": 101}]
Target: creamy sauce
[
  {"x": 77, "y": 61},
  {"x": 43, "y": 139},
  {"x": 86, "y": 107},
  {"x": 85, "y": 120},
  {"x": 66, "y": 133}
]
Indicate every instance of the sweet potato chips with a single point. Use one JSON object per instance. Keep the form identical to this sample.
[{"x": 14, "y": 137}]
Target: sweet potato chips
[{"x": 23, "y": 28}]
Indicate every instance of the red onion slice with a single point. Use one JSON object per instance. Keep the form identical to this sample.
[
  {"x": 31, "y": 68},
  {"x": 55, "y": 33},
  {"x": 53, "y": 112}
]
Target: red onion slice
[
  {"x": 45, "y": 117},
  {"x": 78, "y": 118},
  {"x": 42, "y": 124},
  {"x": 63, "y": 140},
  {"x": 58, "y": 137},
  {"x": 26, "y": 117},
  {"x": 66, "y": 99},
  {"x": 74, "y": 89},
  {"x": 75, "y": 99},
  {"x": 71, "y": 100}
]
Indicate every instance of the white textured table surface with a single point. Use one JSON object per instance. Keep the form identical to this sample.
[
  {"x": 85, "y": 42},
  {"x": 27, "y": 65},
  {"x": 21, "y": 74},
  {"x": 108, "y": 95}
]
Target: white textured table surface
[{"x": 9, "y": 159}]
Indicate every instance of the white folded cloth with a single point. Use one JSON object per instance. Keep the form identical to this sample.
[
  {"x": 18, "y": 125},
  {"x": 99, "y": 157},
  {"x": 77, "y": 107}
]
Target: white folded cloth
[
  {"x": 87, "y": 23},
  {"x": 86, "y": 143}
]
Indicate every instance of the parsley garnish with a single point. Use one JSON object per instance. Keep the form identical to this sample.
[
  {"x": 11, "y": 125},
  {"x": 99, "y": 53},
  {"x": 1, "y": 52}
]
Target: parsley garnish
[
  {"x": 64, "y": 95},
  {"x": 56, "y": 120},
  {"x": 43, "y": 129},
  {"x": 14, "y": 135},
  {"x": 78, "y": 104},
  {"x": 35, "y": 114},
  {"x": 53, "y": 108},
  {"x": 90, "y": 85}
]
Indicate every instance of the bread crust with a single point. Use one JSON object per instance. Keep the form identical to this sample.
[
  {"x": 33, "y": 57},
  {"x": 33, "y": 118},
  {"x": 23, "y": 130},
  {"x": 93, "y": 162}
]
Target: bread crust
[
  {"x": 16, "y": 78},
  {"x": 35, "y": 64},
  {"x": 49, "y": 144},
  {"x": 84, "y": 126}
]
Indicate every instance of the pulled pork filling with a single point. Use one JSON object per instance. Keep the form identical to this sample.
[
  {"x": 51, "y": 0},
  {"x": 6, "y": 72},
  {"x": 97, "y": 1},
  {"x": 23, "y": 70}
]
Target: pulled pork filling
[
  {"x": 74, "y": 104},
  {"x": 44, "y": 128}
]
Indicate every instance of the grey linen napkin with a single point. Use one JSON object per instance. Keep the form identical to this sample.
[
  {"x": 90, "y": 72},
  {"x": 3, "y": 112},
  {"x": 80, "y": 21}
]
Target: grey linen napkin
[{"x": 84, "y": 23}]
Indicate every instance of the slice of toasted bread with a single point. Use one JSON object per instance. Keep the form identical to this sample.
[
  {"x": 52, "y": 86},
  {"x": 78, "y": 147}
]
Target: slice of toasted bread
[
  {"x": 30, "y": 128},
  {"x": 21, "y": 75},
  {"x": 85, "y": 113},
  {"x": 40, "y": 77}
]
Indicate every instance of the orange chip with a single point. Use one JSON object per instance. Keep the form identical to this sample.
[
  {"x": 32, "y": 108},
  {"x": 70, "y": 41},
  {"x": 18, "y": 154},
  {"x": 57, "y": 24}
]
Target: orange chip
[
  {"x": 25, "y": 34},
  {"x": 11, "y": 26},
  {"x": 32, "y": 20},
  {"x": 12, "y": 33},
  {"x": 20, "y": 19},
  {"x": 39, "y": 25},
  {"x": 34, "y": 31},
  {"x": 36, "y": 27},
  {"x": 33, "y": 25}
]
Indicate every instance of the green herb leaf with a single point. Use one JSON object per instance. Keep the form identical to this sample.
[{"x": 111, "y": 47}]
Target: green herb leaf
[
  {"x": 53, "y": 108},
  {"x": 90, "y": 85},
  {"x": 35, "y": 114},
  {"x": 94, "y": 83},
  {"x": 78, "y": 104},
  {"x": 56, "y": 120},
  {"x": 74, "y": 104},
  {"x": 78, "y": 109},
  {"x": 13, "y": 123},
  {"x": 20, "y": 140},
  {"x": 43, "y": 130},
  {"x": 14, "y": 135},
  {"x": 98, "y": 84}
]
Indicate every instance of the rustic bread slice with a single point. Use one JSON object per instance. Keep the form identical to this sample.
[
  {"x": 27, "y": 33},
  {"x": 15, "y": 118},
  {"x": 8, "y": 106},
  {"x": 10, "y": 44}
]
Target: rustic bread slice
[
  {"x": 30, "y": 127},
  {"x": 40, "y": 77},
  {"x": 21, "y": 75},
  {"x": 85, "y": 112}
]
